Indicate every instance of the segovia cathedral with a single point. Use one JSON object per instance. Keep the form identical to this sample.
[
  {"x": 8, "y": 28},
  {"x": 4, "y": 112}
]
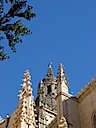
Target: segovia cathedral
[{"x": 54, "y": 106}]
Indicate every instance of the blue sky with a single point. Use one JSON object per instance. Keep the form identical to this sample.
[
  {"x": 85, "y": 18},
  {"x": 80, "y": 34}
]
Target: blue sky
[{"x": 65, "y": 30}]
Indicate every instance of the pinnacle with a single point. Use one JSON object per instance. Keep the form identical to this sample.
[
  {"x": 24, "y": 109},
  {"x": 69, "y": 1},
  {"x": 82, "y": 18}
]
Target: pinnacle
[
  {"x": 27, "y": 78},
  {"x": 62, "y": 75},
  {"x": 26, "y": 86},
  {"x": 27, "y": 75}
]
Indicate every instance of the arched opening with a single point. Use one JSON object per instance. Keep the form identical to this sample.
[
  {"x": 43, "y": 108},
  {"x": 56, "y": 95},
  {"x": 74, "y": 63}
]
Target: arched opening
[
  {"x": 49, "y": 89},
  {"x": 94, "y": 119}
]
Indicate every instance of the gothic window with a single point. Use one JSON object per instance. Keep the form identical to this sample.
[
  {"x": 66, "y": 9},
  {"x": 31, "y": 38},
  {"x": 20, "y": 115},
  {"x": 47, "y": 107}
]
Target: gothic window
[
  {"x": 94, "y": 120},
  {"x": 49, "y": 89}
]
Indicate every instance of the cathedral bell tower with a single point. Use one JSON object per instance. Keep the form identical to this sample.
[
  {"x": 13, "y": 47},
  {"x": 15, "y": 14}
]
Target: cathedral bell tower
[{"x": 45, "y": 103}]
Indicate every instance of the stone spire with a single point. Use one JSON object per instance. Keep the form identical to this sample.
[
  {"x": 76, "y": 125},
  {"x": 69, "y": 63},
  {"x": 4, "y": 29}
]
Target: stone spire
[
  {"x": 50, "y": 71},
  {"x": 25, "y": 112},
  {"x": 62, "y": 75}
]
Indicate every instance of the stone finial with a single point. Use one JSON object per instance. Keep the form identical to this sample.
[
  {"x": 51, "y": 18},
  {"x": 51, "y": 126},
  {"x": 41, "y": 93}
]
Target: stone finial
[
  {"x": 62, "y": 75},
  {"x": 63, "y": 123},
  {"x": 26, "y": 79},
  {"x": 50, "y": 71}
]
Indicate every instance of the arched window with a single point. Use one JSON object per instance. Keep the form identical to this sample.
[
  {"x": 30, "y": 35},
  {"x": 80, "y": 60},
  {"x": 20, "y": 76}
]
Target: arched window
[
  {"x": 94, "y": 120},
  {"x": 49, "y": 89}
]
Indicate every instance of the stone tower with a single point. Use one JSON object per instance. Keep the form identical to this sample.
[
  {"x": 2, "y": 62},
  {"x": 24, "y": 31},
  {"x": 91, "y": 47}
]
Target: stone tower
[{"x": 45, "y": 103}]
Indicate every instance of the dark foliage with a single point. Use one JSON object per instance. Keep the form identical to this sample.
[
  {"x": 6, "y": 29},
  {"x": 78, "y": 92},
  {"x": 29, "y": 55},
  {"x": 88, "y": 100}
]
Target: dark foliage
[{"x": 12, "y": 31}]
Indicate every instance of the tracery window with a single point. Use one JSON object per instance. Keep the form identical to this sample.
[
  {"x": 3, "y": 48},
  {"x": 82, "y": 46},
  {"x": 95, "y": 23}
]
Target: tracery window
[{"x": 94, "y": 120}]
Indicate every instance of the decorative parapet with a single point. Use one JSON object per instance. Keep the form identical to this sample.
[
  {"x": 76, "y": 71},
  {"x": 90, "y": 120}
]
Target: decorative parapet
[{"x": 87, "y": 89}]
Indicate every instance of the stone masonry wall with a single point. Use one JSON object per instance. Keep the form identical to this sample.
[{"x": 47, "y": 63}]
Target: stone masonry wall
[{"x": 87, "y": 106}]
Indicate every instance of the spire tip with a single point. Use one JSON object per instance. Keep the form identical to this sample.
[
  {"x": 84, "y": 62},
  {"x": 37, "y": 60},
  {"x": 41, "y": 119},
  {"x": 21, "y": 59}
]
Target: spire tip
[{"x": 50, "y": 65}]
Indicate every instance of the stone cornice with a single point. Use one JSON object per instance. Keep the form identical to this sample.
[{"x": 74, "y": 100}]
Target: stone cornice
[
  {"x": 64, "y": 94},
  {"x": 87, "y": 89}
]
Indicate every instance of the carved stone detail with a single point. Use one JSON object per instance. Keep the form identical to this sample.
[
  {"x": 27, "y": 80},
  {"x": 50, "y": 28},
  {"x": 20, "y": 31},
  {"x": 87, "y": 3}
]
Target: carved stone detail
[
  {"x": 25, "y": 111},
  {"x": 62, "y": 75},
  {"x": 63, "y": 123}
]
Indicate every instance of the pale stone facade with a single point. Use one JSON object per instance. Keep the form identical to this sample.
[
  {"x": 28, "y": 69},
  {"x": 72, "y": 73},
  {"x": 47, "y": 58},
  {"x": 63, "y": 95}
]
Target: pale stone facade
[{"x": 54, "y": 107}]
